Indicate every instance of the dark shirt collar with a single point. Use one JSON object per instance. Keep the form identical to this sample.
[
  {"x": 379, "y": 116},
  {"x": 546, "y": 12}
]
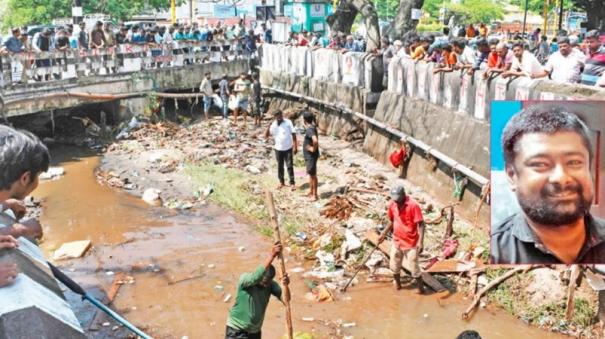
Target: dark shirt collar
[{"x": 522, "y": 231}]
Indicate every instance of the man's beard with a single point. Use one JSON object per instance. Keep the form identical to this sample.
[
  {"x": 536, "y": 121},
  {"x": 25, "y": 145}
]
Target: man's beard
[{"x": 544, "y": 211}]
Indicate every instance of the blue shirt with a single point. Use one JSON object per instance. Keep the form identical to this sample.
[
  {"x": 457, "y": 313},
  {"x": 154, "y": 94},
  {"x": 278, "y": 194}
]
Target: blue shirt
[
  {"x": 13, "y": 45},
  {"x": 137, "y": 38}
]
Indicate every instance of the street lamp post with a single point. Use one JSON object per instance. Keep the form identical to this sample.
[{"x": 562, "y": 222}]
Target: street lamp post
[{"x": 561, "y": 14}]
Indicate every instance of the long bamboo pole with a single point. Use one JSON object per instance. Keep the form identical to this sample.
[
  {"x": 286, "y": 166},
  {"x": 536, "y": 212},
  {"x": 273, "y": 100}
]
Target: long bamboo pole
[{"x": 282, "y": 264}]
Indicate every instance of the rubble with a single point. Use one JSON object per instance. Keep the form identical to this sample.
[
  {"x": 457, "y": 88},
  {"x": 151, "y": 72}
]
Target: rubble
[
  {"x": 52, "y": 173},
  {"x": 152, "y": 197},
  {"x": 70, "y": 250}
]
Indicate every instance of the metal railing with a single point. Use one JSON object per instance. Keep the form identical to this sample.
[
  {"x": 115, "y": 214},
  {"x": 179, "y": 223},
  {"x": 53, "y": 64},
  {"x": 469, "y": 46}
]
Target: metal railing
[{"x": 30, "y": 67}]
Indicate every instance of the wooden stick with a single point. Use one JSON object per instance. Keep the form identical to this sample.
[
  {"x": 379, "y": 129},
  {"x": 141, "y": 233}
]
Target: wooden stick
[
  {"x": 495, "y": 282},
  {"x": 571, "y": 289},
  {"x": 277, "y": 237}
]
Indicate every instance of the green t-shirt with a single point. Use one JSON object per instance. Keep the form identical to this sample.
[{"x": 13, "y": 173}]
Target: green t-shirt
[{"x": 251, "y": 302}]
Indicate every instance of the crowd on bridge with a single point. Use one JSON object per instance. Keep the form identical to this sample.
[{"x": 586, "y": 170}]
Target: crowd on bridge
[
  {"x": 566, "y": 58},
  {"x": 158, "y": 39}
]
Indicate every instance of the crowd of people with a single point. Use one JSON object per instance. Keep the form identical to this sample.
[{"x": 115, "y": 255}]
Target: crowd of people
[
  {"x": 159, "y": 39},
  {"x": 566, "y": 59}
]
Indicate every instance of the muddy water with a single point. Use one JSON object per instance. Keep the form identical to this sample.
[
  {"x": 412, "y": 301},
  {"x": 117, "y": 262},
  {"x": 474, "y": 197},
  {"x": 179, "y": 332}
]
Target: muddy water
[{"x": 185, "y": 267}]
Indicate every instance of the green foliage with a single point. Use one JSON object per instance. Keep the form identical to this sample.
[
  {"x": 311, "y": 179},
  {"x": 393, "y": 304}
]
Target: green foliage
[
  {"x": 386, "y": 9},
  {"x": 436, "y": 27},
  {"x": 537, "y": 6},
  {"x": 30, "y": 12},
  {"x": 27, "y": 12},
  {"x": 474, "y": 11}
]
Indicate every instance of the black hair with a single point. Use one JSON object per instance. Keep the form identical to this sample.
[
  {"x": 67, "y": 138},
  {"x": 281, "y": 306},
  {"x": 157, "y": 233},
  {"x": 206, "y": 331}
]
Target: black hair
[
  {"x": 459, "y": 42},
  {"x": 541, "y": 119},
  {"x": 446, "y": 31},
  {"x": 308, "y": 117},
  {"x": 518, "y": 44},
  {"x": 469, "y": 334},
  {"x": 593, "y": 34},
  {"x": 482, "y": 42},
  {"x": 20, "y": 152},
  {"x": 270, "y": 272},
  {"x": 563, "y": 40},
  {"x": 494, "y": 41}
]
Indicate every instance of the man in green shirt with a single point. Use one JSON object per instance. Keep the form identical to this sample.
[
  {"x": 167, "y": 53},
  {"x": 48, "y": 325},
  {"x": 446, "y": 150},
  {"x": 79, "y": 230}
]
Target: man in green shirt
[{"x": 253, "y": 293}]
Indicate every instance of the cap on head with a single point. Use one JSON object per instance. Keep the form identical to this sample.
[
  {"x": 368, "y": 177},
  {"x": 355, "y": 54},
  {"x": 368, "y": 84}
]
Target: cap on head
[{"x": 397, "y": 192}]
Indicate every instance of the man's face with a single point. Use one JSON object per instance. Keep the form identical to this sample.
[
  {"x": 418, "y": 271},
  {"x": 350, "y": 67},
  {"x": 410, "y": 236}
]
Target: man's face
[
  {"x": 593, "y": 43},
  {"x": 279, "y": 118},
  {"x": 457, "y": 49},
  {"x": 16, "y": 34},
  {"x": 565, "y": 48},
  {"x": 551, "y": 177},
  {"x": 518, "y": 51},
  {"x": 492, "y": 49}
]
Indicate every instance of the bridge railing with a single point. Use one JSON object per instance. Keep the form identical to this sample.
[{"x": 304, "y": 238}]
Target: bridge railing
[{"x": 20, "y": 68}]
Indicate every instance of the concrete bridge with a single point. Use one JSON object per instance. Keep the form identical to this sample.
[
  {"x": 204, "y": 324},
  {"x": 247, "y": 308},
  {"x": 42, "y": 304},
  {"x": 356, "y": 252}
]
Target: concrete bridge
[{"x": 127, "y": 73}]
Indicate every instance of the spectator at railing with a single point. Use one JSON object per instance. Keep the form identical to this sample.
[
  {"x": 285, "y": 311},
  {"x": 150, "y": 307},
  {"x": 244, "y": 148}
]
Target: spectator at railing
[
  {"x": 336, "y": 42},
  {"x": 82, "y": 37},
  {"x": 464, "y": 54},
  {"x": 180, "y": 34},
  {"x": 595, "y": 58},
  {"x": 43, "y": 43},
  {"x": 62, "y": 43},
  {"x": 13, "y": 44},
  {"x": 110, "y": 36},
  {"x": 301, "y": 39},
  {"x": 482, "y": 54},
  {"x": 565, "y": 65},
  {"x": 505, "y": 58},
  {"x": 268, "y": 35},
  {"x": 97, "y": 36},
  {"x": 121, "y": 36},
  {"x": 449, "y": 59},
  {"x": 524, "y": 64},
  {"x": 420, "y": 51},
  {"x": 138, "y": 35}
]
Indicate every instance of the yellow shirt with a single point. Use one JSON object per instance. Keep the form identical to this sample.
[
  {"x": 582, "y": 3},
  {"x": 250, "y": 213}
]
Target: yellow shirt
[{"x": 418, "y": 53}]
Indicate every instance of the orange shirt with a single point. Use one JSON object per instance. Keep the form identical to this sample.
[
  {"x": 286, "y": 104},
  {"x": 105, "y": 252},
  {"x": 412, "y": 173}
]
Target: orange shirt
[
  {"x": 418, "y": 53},
  {"x": 470, "y": 32},
  {"x": 492, "y": 60},
  {"x": 449, "y": 58}
]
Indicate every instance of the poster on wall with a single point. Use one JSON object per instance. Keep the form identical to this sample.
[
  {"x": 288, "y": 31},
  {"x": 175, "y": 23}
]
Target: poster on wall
[{"x": 318, "y": 11}]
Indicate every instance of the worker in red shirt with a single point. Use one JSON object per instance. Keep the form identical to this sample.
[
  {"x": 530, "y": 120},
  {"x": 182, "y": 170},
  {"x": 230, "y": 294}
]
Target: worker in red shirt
[{"x": 407, "y": 225}]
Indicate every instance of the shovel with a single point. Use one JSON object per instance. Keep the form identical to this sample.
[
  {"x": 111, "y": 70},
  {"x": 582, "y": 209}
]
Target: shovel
[{"x": 344, "y": 289}]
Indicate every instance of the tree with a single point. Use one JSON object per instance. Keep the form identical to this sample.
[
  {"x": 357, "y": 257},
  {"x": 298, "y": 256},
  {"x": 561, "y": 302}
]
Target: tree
[
  {"x": 403, "y": 22},
  {"x": 473, "y": 11},
  {"x": 344, "y": 16},
  {"x": 29, "y": 12},
  {"x": 595, "y": 12},
  {"x": 26, "y": 12}
]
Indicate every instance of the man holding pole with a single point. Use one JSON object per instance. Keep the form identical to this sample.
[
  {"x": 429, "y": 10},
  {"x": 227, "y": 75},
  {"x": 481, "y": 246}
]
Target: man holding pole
[
  {"x": 253, "y": 292},
  {"x": 407, "y": 225}
]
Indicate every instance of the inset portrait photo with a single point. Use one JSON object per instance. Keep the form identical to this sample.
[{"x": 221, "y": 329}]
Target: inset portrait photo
[{"x": 546, "y": 166}]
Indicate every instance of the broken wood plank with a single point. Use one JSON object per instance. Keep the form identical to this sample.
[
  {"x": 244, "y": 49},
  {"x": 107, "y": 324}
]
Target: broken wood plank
[
  {"x": 466, "y": 314},
  {"x": 118, "y": 281},
  {"x": 571, "y": 289},
  {"x": 455, "y": 266},
  {"x": 384, "y": 247}
]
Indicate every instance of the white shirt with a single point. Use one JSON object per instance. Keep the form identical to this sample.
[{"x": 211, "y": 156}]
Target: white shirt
[
  {"x": 529, "y": 64},
  {"x": 467, "y": 57},
  {"x": 206, "y": 87},
  {"x": 282, "y": 134},
  {"x": 565, "y": 69}
]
